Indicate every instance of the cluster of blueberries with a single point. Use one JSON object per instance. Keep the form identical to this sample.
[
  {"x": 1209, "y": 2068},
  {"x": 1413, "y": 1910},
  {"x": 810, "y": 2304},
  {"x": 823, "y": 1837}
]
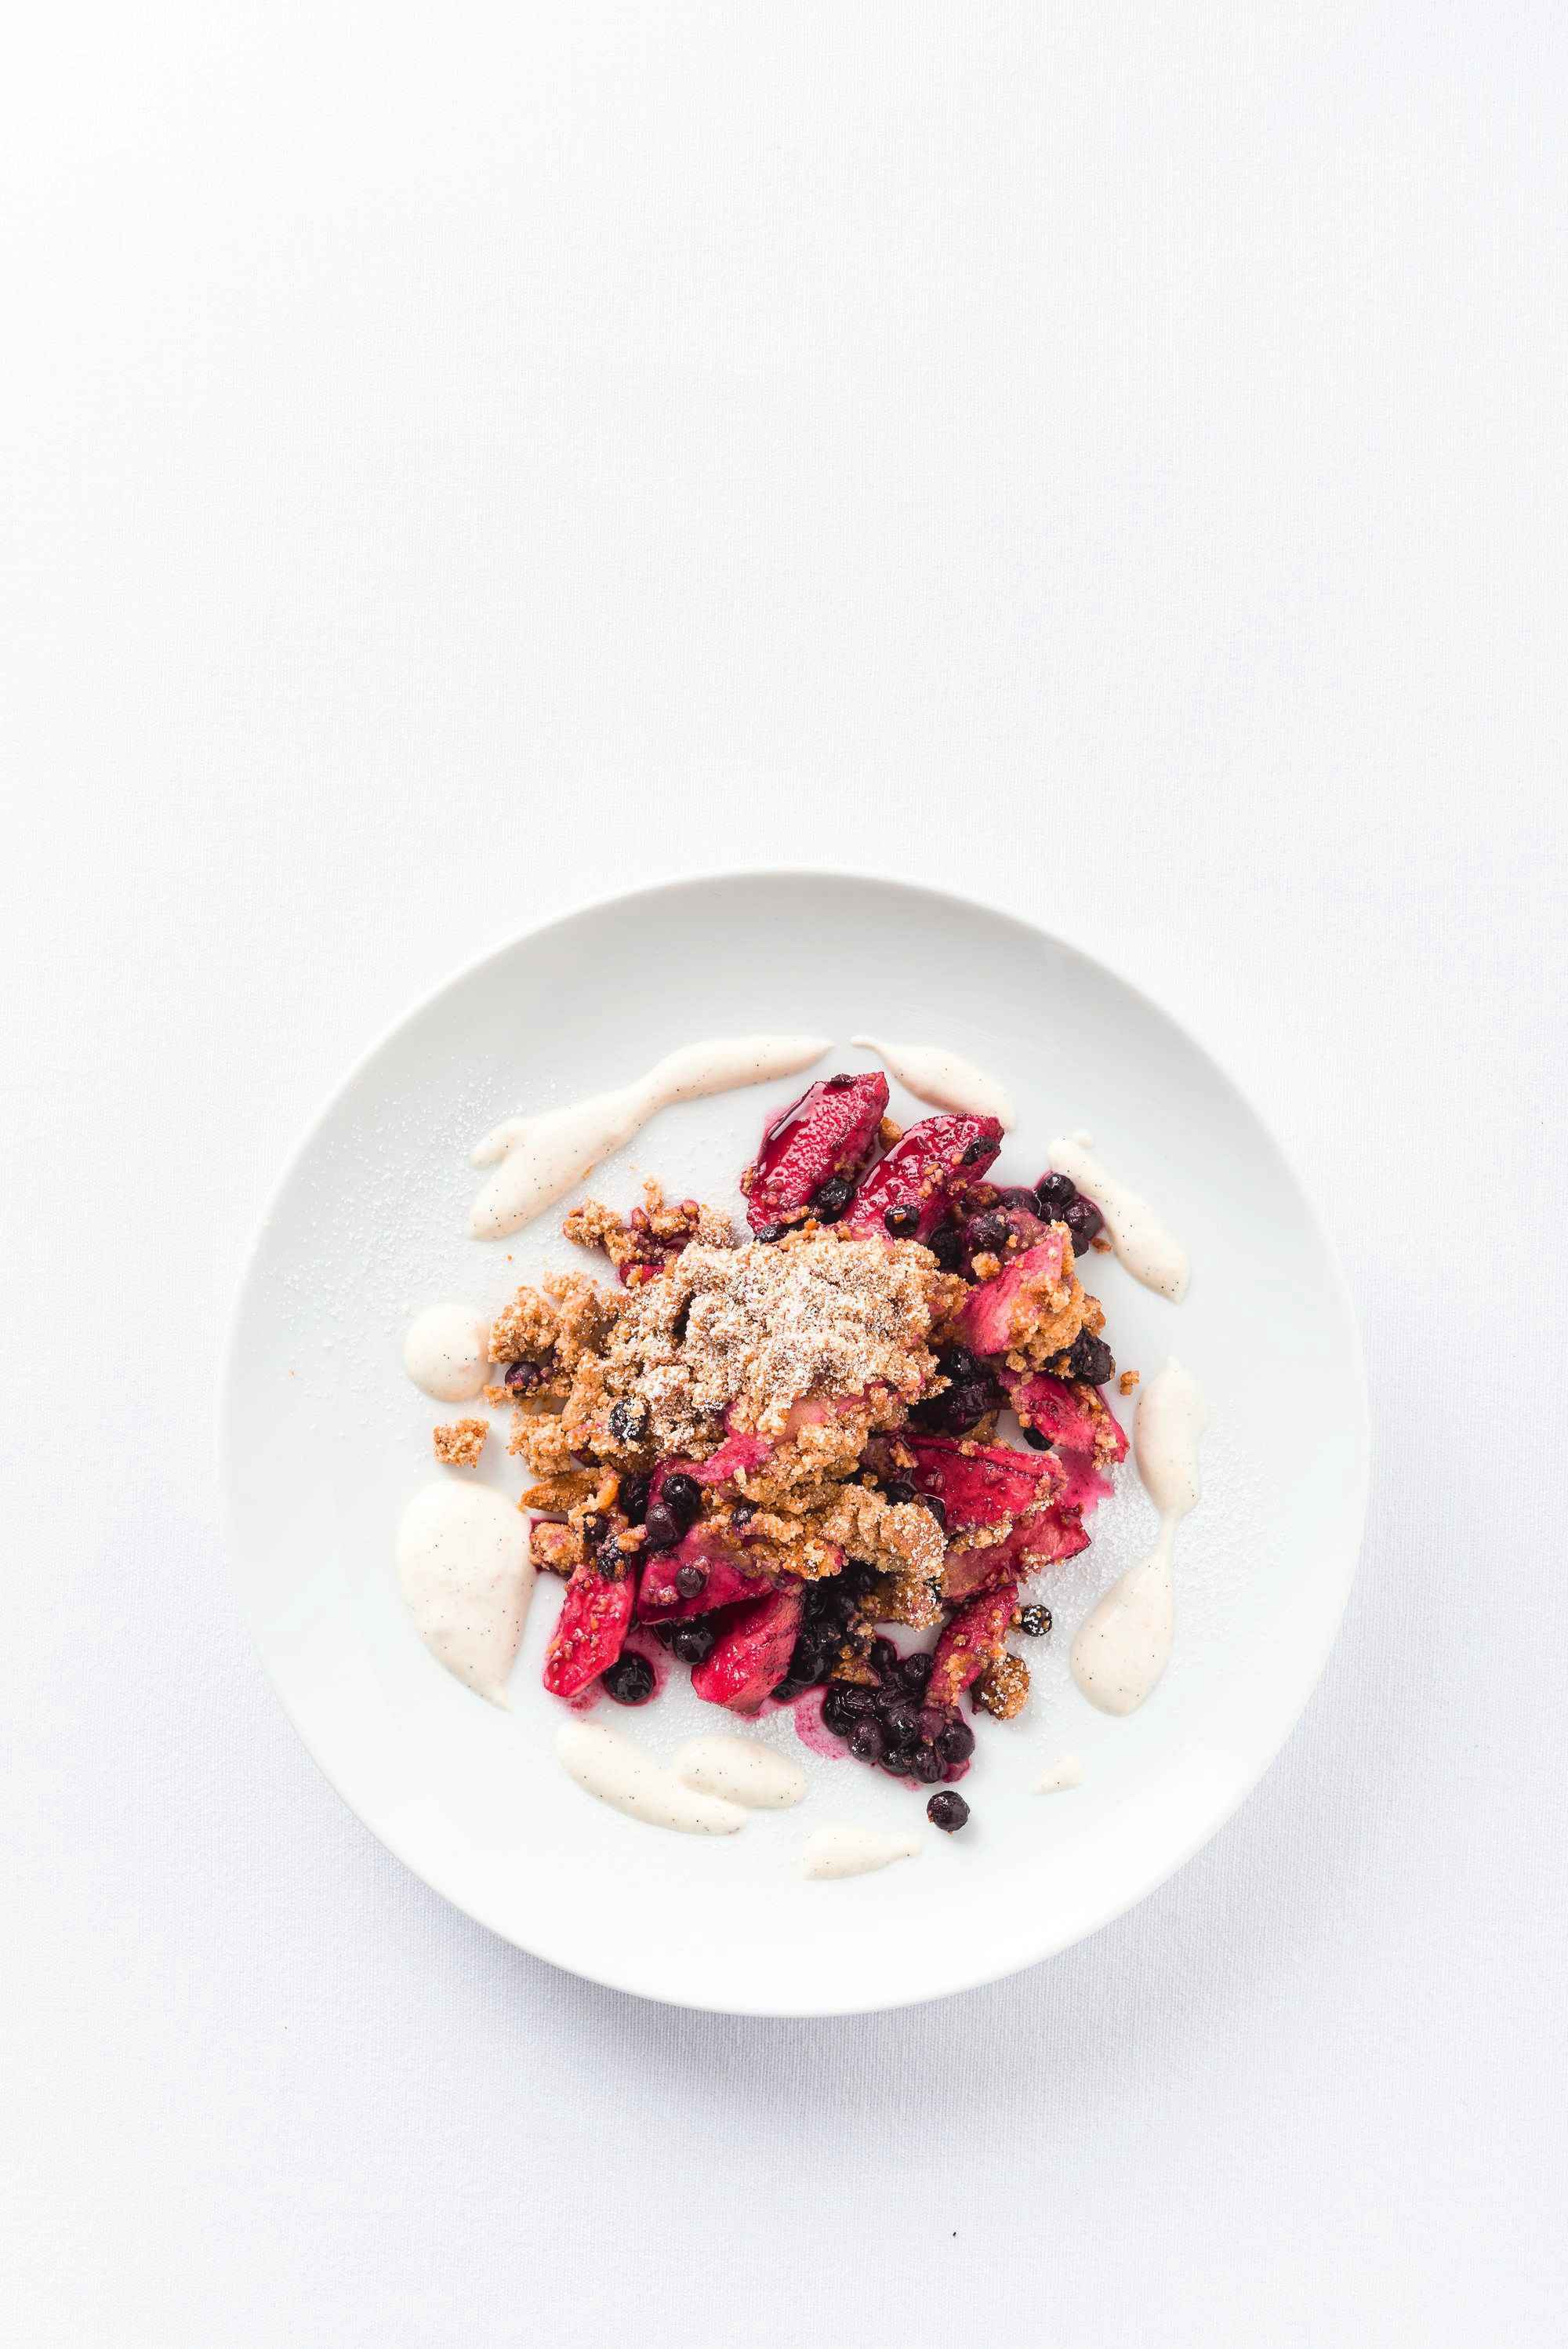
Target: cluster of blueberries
[{"x": 891, "y": 1726}]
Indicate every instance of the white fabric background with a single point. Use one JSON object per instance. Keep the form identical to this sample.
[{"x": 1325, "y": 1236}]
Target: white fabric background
[{"x": 462, "y": 461}]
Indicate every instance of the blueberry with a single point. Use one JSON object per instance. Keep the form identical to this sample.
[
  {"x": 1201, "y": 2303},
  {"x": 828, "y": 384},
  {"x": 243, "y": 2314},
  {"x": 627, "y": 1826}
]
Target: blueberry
[
  {"x": 956, "y": 1741},
  {"x": 522, "y": 1378},
  {"x": 896, "y": 1761},
  {"x": 899, "y": 1489},
  {"x": 929, "y": 1764},
  {"x": 690, "y": 1580},
  {"x": 981, "y": 1147},
  {"x": 634, "y": 1497},
  {"x": 662, "y": 1527},
  {"x": 1091, "y": 1361},
  {"x": 1035, "y": 1620},
  {"x": 806, "y": 1663},
  {"x": 972, "y": 1390},
  {"x": 611, "y": 1560},
  {"x": 1016, "y": 1194},
  {"x": 1083, "y": 1219},
  {"x": 742, "y": 1513},
  {"x": 684, "y": 1495},
  {"x": 785, "y": 1692},
  {"x": 868, "y": 1741},
  {"x": 970, "y": 1399},
  {"x": 884, "y": 1660},
  {"x": 938, "y": 1511},
  {"x": 947, "y": 1414},
  {"x": 1036, "y": 1441},
  {"x": 917, "y": 1671},
  {"x": 771, "y": 1232},
  {"x": 1056, "y": 1194},
  {"x": 595, "y": 1528},
  {"x": 947, "y": 1811},
  {"x": 990, "y": 1233},
  {"x": 901, "y": 1723},
  {"x": 629, "y": 1420},
  {"x": 857, "y": 1701},
  {"x": 832, "y": 1606},
  {"x": 829, "y": 1201},
  {"x": 664, "y": 1633},
  {"x": 903, "y": 1221},
  {"x": 837, "y": 1714},
  {"x": 692, "y": 1642},
  {"x": 839, "y": 1084},
  {"x": 629, "y": 1680},
  {"x": 947, "y": 1246}
]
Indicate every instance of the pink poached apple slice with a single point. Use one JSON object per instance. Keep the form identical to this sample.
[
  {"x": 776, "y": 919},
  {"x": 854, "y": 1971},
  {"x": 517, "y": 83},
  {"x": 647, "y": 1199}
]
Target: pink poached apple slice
[
  {"x": 752, "y": 1653},
  {"x": 1002, "y": 1313},
  {"x": 974, "y": 1639},
  {"x": 826, "y": 1136},
  {"x": 1075, "y": 1418},
  {"x": 907, "y": 1193},
  {"x": 589, "y": 1631},
  {"x": 982, "y": 1484},
  {"x": 1043, "y": 1538},
  {"x": 721, "y": 1559}
]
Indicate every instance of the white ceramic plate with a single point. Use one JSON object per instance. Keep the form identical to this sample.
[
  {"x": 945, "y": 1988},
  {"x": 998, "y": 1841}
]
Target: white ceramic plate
[{"x": 325, "y": 1440}]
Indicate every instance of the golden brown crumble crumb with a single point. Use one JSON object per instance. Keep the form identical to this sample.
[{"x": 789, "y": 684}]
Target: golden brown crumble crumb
[
  {"x": 526, "y": 1331},
  {"x": 560, "y": 1493},
  {"x": 585, "y": 1315},
  {"x": 555, "y": 1548},
  {"x": 460, "y": 1444},
  {"x": 553, "y": 1331},
  {"x": 1002, "y": 1688},
  {"x": 948, "y": 1291},
  {"x": 640, "y": 1244},
  {"x": 542, "y": 1440},
  {"x": 1126, "y": 1382}
]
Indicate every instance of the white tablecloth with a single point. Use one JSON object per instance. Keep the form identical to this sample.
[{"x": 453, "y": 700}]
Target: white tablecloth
[{"x": 464, "y": 461}]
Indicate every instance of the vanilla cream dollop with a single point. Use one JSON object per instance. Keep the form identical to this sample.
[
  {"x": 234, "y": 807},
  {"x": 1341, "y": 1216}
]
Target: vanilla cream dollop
[
  {"x": 466, "y": 1575},
  {"x": 740, "y": 1770},
  {"x": 854, "y": 1851},
  {"x": 609, "y": 1765},
  {"x": 947, "y": 1080},
  {"x": 1122, "y": 1648},
  {"x": 539, "y": 1159},
  {"x": 1151, "y": 1253},
  {"x": 447, "y": 1352}
]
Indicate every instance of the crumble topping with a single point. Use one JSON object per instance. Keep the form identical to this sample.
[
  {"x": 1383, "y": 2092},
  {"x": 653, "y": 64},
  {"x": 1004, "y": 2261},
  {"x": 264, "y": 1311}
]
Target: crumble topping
[
  {"x": 552, "y": 1331},
  {"x": 1002, "y": 1688},
  {"x": 736, "y": 1339},
  {"x": 459, "y": 1443},
  {"x": 640, "y": 1244}
]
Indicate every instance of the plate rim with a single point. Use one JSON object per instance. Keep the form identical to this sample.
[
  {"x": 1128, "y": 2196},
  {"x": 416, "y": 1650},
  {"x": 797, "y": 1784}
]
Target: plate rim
[{"x": 1211, "y": 1820}]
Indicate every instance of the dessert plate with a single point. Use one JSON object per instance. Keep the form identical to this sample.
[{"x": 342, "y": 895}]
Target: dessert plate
[{"x": 325, "y": 1440}]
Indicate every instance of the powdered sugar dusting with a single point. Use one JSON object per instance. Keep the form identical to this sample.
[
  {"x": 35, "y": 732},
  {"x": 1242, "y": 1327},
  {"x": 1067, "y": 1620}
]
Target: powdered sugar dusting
[{"x": 738, "y": 1337}]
